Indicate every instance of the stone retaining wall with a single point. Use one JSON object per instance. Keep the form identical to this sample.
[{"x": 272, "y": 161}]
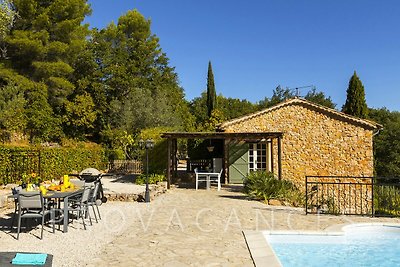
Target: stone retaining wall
[
  {"x": 5, "y": 192},
  {"x": 155, "y": 190}
]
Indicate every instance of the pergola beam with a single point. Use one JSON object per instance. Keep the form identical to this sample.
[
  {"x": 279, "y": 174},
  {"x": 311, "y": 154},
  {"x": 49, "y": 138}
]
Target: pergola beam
[{"x": 260, "y": 136}]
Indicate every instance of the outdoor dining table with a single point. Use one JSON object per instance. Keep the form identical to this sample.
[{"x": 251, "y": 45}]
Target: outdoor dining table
[
  {"x": 59, "y": 197},
  {"x": 208, "y": 175},
  {"x": 63, "y": 197}
]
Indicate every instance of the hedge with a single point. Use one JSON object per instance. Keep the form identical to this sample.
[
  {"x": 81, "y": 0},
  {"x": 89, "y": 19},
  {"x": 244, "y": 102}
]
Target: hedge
[{"x": 49, "y": 163}]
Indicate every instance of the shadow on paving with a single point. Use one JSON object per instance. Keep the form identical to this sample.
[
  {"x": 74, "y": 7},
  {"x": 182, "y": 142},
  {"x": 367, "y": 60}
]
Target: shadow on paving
[
  {"x": 243, "y": 197},
  {"x": 291, "y": 210},
  {"x": 122, "y": 178},
  {"x": 185, "y": 185},
  {"x": 230, "y": 187},
  {"x": 26, "y": 225},
  {"x": 5, "y": 223},
  {"x": 233, "y": 187}
]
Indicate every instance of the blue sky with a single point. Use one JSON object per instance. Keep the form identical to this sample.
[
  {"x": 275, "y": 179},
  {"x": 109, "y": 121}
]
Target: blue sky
[{"x": 256, "y": 45}]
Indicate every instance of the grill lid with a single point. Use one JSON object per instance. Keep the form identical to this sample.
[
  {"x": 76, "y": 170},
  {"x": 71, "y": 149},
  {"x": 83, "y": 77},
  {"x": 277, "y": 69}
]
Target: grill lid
[{"x": 90, "y": 171}]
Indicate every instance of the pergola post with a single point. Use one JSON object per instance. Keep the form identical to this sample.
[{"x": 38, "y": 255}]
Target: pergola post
[
  {"x": 226, "y": 160},
  {"x": 174, "y": 158},
  {"x": 169, "y": 163}
]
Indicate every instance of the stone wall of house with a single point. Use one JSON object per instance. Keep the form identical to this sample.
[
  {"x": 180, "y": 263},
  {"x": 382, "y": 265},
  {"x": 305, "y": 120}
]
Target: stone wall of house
[{"x": 314, "y": 143}]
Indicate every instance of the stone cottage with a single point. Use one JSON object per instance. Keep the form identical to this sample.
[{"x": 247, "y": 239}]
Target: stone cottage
[{"x": 316, "y": 141}]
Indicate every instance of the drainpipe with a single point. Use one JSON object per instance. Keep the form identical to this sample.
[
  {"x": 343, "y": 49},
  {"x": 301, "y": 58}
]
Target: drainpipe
[{"x": 377, "y": 132}]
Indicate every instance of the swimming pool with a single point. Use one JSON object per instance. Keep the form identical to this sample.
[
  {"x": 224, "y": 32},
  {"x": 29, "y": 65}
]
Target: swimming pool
[{"x": 358, "y": 245}]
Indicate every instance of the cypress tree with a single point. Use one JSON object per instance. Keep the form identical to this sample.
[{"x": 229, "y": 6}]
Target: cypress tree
[
  {"x": 355, "y": 102},
  {"x": 211, "y": 94}
]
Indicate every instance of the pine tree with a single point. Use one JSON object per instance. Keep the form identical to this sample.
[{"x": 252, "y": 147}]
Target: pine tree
[
  {"x": 45, "y": 42},
  {"x": 355, "y": 102},
  {"x": 211, "y": 94},
  {"x": 7, "y": 16},
  {"x": 44, "y": 45}
]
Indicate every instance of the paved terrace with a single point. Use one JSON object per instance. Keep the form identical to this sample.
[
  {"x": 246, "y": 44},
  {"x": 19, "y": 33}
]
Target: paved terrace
[
  {"x": 204, "y": 228},
  {"x": 182, "y": 227}
]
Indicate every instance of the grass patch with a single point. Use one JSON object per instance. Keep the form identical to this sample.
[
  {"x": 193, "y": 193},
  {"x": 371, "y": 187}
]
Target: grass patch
[{"x": 153, "y": 179}]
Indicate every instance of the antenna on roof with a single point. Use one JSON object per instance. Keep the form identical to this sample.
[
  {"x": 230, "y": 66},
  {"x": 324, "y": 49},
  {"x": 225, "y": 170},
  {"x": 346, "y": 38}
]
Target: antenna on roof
[{"x": 297, "y": 89}]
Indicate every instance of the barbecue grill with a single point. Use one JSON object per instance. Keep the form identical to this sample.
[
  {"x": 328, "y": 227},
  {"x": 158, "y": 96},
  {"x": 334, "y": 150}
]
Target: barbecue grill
[{"x": 90, "y": 175}]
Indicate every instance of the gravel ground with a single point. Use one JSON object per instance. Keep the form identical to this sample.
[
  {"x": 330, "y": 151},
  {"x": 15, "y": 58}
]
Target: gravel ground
[
  {"x": 121, "y": 184},
  {"x": 77, "y": 247}
]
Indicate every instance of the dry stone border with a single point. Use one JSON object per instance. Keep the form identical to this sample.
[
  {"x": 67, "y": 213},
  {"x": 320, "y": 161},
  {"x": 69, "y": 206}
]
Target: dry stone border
[{"x": 155, "y": 190}]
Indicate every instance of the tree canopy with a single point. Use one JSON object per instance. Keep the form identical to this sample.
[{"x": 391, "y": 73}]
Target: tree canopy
[
  {"x": 7, "y": 16},
  {"x": 280, "y": 94},
  {"x": 133, "y": 79},
  {"x": 387, "y": 142},
  {"x": 42, "y": 47},
  {"x": 73, "y": 82}
]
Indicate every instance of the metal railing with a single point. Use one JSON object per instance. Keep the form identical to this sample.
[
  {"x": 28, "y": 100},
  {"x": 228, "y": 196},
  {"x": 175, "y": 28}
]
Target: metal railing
[
  {"x": 351, "y": 195},
  {"x": 200, "y": 164},
  {"x": 20, "y": 163},
  {"x": 125, "y": 166}
]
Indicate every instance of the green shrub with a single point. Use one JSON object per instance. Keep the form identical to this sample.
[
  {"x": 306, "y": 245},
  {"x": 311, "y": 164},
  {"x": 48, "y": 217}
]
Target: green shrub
[
  {"x": 115, "y": 154},
  {"x": 263, "y": 185},
  {"x": 387, "y": 200},
  {"x": 58, "y": 161},
  {"x": 153, "y": 178},
  {"x": 158, "y": 155},
  {"x": 17, "y": 163}
]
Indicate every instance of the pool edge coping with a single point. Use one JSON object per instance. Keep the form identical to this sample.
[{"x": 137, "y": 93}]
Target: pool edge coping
[
  {"x": 260, "y": 250},
  {"x": 262, "y": 253}
]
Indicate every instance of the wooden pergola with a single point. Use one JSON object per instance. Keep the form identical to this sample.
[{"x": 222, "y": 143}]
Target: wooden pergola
[{"x": 228, "y": 138}]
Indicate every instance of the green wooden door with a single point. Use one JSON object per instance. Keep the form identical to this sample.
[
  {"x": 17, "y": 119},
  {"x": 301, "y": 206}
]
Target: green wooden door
[{"x": 238, "y": 162}]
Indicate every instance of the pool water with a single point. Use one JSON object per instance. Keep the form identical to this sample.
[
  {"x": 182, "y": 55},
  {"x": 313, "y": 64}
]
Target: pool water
[{"x": 358, "y": 246}]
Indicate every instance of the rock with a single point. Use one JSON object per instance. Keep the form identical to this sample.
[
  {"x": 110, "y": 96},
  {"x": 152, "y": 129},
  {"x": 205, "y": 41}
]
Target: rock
[{"x": 274, "y": 202}]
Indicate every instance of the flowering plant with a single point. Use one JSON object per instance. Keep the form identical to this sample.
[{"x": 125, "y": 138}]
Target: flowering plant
[{"x": 31, "y": 178}]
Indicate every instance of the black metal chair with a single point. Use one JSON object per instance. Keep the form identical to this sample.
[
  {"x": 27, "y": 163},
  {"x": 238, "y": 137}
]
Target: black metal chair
[
  {"x": 93, "y": 201},
  {"x": 15, "y": 192},
  {"x": 31, "y": 206},
  {"x": 80, "y": 205}
]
